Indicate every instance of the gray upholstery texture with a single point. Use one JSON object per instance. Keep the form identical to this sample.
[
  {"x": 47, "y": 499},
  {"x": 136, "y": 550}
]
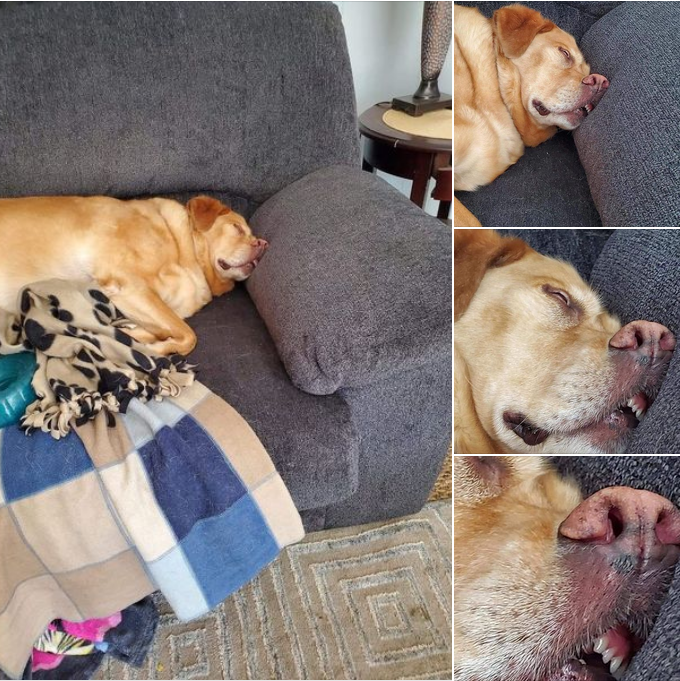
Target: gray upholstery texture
[
  {"x": 547, "y": 187},
  {"x": 131, "y": 99},
  {"x": 356, "y": 284},
  {"x": 631, "y": 148},
  {"x": 638, "y": 276},
  {"x": 237, "y": 359},
  {"x": 659, "y": 659}
]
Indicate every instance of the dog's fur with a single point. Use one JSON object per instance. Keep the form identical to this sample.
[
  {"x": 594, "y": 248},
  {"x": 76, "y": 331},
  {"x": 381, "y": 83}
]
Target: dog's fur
[
  {"x": 525, "y": 601},
  {"x": 531, "y": 337},
  {"x": 506, "y": 67},
  {"x": 159, "y": 261}
]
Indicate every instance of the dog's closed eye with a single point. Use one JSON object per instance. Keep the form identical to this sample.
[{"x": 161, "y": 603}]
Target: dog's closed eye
[{"x": 568, "y": 304}]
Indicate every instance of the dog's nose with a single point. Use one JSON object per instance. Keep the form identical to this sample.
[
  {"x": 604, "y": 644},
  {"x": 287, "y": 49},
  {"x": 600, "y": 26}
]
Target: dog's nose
[
  {"x": 645, "y": 339},
  {"x": 262, "y": 244},
  {"x": 628, "y": 521},
  {"x": 596, "y": 80}
]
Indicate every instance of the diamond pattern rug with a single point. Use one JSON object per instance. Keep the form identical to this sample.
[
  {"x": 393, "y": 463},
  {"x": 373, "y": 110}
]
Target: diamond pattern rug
[{"x": 369, "y": 602}]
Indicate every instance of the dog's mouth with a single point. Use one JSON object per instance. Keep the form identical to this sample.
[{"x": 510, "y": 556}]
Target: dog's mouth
[
  {"x": 581, "y": 111},
  {"x": 618, "y": 421},
  {"x": 605, "y": 658},
  {"x": 243, "y": 268}
]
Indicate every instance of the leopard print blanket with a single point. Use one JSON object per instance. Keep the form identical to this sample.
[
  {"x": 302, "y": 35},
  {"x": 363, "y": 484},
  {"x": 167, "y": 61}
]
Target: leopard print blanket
[{"x": 86, "y": 362}]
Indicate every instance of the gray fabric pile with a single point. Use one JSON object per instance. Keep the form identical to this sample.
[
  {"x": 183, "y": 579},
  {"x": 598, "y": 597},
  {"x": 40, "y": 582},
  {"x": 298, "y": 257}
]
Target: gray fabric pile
[{"x": 659, "y": 659}]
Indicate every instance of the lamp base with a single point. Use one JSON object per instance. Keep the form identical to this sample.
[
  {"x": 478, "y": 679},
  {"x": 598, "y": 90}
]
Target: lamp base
[{"x": 416, "y": 106}]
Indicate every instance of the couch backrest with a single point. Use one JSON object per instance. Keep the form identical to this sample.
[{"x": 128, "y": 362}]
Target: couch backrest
[{"x": 129, "y": 99}]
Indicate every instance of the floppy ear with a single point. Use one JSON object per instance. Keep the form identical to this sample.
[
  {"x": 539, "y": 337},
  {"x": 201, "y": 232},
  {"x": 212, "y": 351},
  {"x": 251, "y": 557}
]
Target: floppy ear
[
  {"x": 516, "y": 26},
  {"x": 476, "y": 251},
  {"x": 204, "y": 210},
  {"x": 477, "y": 478}
]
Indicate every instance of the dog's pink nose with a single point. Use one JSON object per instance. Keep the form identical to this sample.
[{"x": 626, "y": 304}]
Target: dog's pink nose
[
  {"x": 634, "y": 522},
  {"x": 645, "y": 339},
  {"x": 262, "y": 244},
  {"x": 596, "y": 80}
]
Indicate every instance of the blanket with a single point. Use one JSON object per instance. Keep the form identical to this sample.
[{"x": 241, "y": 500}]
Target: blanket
[
  {"x": 178, "y": 495},
  {"x": 87, "y": 364}
]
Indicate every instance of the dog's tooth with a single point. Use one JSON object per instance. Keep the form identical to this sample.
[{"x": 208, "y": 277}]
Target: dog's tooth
[
  {"x": 589, "y": 648},
  {"x": 615, "y": 663},
  {"x": 607, "y": 655},
  {"x": 630, "y": 403},
  {"x": 601, "y": 644}
]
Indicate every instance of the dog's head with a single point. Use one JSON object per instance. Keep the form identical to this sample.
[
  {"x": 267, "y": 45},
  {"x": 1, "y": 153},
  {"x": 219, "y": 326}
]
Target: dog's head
[
  {"x": 546, "y": 69},
  {"x": 549, "y": 587},
  {"x": 231, "y": 251},
  {"x": 540, "y": 366}
]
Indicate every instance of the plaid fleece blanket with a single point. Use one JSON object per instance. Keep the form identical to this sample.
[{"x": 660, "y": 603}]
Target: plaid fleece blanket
[{"x": 178, "y": 495}]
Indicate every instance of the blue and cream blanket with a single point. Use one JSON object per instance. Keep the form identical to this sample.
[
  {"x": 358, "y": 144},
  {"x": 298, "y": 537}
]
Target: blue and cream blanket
[{"x": 178, "y": 495}]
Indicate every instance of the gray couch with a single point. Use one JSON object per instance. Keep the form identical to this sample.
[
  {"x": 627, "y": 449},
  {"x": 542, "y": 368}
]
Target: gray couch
[
  {"x": 637, "y": 274},
  {"x": 338, "y": 350},
  {"x": 620, "y": 167}
]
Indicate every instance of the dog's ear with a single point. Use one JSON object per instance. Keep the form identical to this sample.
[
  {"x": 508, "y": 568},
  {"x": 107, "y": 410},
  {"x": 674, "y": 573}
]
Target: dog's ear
[
  {"x": 478, "y": 478},
  {"x": 476, "y": 251},
  {"x": 204, "y": 210},
  {"x": 516, "y": 26}
]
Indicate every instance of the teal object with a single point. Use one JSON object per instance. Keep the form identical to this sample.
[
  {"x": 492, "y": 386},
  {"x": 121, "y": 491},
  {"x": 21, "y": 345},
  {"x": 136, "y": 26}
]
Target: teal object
[{"x": 16, "y": 392}]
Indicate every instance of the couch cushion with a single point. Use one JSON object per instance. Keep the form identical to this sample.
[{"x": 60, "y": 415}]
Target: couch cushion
[
  {"x": 547, "y": 187},
  {"x": 128, "y": 99},
  {"x": 356, "y": 284},
  {"x": 629, "y": 147},
  {"x": 310, "y": 439},
  {"x": 638, "y": 276}
]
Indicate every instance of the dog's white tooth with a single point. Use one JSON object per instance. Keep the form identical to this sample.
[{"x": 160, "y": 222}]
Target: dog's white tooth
[
  {"x": 607, "y": 655},
  {"x": 601, "y": 644},
  {"x": 615, "y": 663}
]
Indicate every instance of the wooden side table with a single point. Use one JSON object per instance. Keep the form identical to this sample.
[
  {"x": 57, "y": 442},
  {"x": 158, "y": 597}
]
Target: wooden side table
[{"x": 402, "y": 154}]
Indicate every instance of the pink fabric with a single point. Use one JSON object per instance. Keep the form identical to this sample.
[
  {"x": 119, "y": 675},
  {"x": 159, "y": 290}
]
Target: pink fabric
[{"x": 90, "y": 630}]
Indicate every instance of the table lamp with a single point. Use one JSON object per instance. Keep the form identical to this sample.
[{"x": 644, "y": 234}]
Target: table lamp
[{"x": 435, "y": 41}]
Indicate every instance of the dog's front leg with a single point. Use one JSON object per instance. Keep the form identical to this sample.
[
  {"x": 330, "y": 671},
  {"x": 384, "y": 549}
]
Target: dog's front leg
[{"x": 159, "y": 327}]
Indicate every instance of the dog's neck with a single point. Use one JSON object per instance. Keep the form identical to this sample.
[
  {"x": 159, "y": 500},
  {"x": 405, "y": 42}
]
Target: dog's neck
[
  {"x": 509, "y": 82},
  {"x": 469, "y": 436},
  {"x": 217, "y": 285}
]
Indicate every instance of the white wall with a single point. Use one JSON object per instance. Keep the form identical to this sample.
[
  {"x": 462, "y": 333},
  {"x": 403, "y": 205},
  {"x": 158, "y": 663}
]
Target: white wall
[{"x": 383, "y": 39}]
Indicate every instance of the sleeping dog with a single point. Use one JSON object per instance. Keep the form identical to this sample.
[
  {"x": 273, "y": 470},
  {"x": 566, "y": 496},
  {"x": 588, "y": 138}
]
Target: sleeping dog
[
  {"x": 540, "y": 366},
  {"x": 157, "y": 260}
]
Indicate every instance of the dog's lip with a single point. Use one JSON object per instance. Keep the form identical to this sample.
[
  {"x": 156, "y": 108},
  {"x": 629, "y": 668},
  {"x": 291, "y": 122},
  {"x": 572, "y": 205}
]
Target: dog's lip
[
  {"x": 615, "y": 646},
  {"x": 223, "y": 264},
  {"x": 582, "y": 109}
]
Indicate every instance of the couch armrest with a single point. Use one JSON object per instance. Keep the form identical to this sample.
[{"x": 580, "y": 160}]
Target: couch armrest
[{"x": 356, "y": 284}]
